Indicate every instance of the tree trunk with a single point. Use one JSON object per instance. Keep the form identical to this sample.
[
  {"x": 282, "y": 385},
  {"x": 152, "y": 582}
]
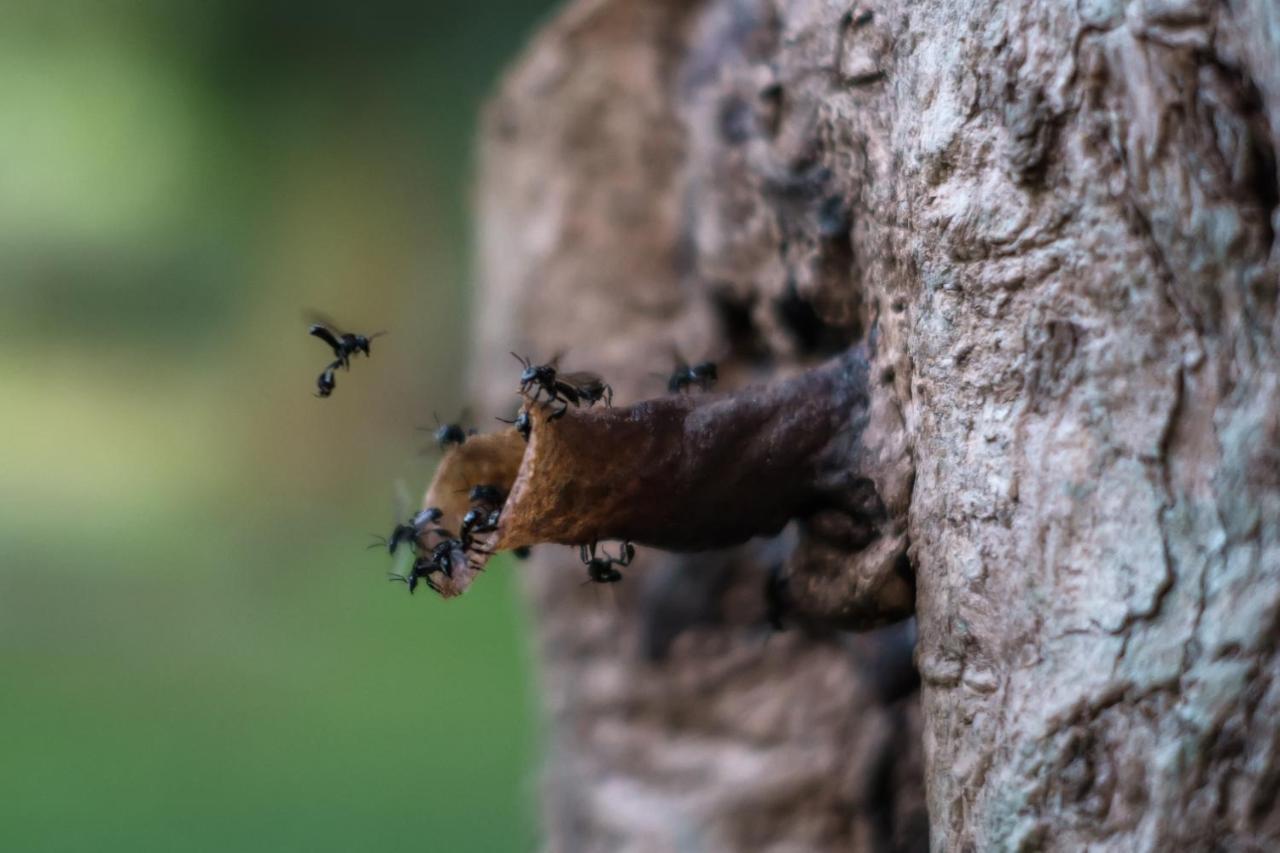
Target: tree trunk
[{"x": 1054, "y": 226}]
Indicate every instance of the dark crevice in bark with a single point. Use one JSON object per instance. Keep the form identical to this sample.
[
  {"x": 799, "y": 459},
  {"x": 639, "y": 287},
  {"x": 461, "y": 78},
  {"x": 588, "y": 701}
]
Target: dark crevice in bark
[
  {"x": 1255, "y": 173},
  {"x": 812, "y": 336},
  {"x": 746, "y": 345}
]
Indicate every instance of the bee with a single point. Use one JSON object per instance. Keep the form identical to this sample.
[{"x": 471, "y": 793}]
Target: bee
[
  {"x": 343, "y": 344},
  {"x": 685, "y": 375},
  {"x": 477, "y": 521},
  {"x": 422, "y": 570},
  {"x": 441, "y": 560},
  {"x": 410, "y": 532},
  {"x": 565, "y": 388},
  {"x": 522, "y": 423},
  {"x": 601, "y": 569},
  {"x": 448, "y": 434},
  {"x": 488, "y": 495}
]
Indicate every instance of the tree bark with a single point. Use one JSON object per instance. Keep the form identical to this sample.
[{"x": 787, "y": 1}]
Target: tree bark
[{"x": 1054, "y": 226}]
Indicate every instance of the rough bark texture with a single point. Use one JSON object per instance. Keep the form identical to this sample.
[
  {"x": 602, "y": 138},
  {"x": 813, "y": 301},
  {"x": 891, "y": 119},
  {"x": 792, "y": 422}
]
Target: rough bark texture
[{"x": 1054, "y": 224}]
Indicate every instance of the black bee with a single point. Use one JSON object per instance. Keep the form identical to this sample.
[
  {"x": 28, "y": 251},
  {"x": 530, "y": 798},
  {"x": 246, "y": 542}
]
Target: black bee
[
  {"x": 522, "y": 423},
  {"x": 591, "y": 388},
  {"x": 477, "y": 521},
  {"x": 448, "y": 434},
  {"x": 410, "y": 532},
  {"x": 442, "y": 555},
  {"x": 487, "y": 494},
  {"x": 423, "y": 568},
  {"x": 601, "y": 569},
  {"x": 441, "y": 560},
  {"x": 685, "y": 375},
  {"x": 344, "y": 344},
  {"x": 565, "y": 388},
  {"x": 325, "y": 382}
]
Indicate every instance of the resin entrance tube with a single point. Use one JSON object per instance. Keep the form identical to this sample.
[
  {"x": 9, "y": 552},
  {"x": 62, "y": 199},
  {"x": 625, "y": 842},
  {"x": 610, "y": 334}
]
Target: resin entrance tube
[{"x": 681, "y": 473}]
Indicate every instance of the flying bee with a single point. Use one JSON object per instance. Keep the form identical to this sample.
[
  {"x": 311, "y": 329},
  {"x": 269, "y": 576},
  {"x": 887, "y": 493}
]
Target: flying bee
[
  {"x": 343, "y": 344},
  {"x": 522, "y": 423},
  {"x": 686, "y": 375},
  {"x": 601, "y": 569},
  {"x": 565, "y": 388}
]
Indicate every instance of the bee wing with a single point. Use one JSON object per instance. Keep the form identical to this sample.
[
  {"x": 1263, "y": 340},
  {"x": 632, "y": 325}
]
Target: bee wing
[
  {"x": 320, "y": 318},
  {"x": 325, "y": 334},
  {"x": 555, "y": 359},
  {"x": 677, "y": 359},
  {"x": 581, "y": 378},
  {"x": 400, "y": 501},
  {"x": 463, "y": 417}
]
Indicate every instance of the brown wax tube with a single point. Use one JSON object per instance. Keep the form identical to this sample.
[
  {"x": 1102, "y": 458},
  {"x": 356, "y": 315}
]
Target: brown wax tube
[
  {"x": 682, "y": 473},
  {"x": 686, "y": 472}
]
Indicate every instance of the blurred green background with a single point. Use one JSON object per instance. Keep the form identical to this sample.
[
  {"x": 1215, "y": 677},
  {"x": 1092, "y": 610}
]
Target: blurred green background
[{"x": 196, "y": 650}]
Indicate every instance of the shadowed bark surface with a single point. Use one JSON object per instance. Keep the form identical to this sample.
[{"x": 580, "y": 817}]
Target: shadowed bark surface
[{"x": 1053, "y": 226}]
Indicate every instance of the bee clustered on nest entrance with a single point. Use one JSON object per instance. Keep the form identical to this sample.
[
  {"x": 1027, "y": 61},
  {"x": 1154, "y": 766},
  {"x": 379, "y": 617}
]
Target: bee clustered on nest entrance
[{"x": 685, "y": 472}]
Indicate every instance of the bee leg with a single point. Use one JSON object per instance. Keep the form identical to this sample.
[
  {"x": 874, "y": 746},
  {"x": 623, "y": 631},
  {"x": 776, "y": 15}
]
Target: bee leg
[{"x": 626, "y": 555}]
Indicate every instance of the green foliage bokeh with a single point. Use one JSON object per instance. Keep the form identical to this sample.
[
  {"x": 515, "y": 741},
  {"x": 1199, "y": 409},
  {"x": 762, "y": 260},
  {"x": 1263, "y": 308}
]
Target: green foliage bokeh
[{"x": 196, "y": 650}]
